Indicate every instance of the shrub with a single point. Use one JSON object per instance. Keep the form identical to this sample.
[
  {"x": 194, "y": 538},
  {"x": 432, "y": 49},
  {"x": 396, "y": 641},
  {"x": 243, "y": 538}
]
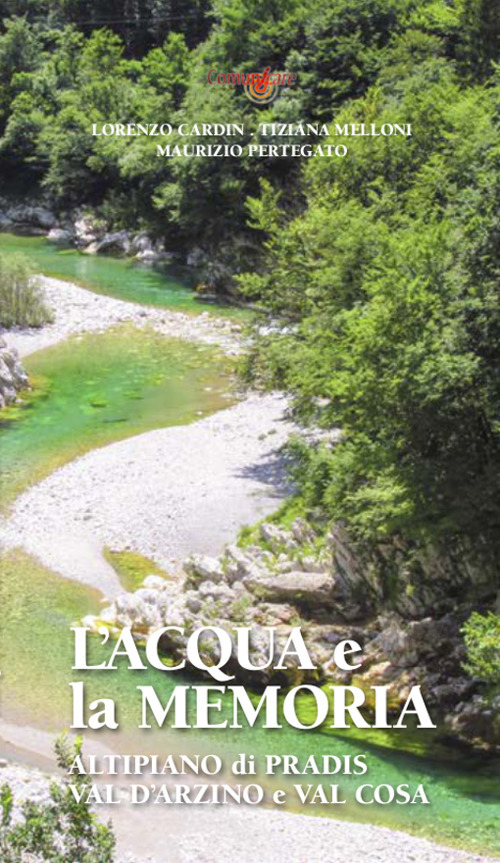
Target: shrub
[
  {"x": 21, "y": 303},
  {"x": 62, "y": 830},
  {"x": 482, "y": 640}
]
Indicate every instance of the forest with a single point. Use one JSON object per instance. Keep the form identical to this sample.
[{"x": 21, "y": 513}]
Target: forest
[{"x": 377, "y": 274}]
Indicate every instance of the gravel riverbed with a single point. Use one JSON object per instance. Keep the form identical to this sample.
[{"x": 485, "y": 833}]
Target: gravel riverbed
[
  {"x": 165, "y": 494},
  {"x": 78, "y": 310},
  {"x": 224, "y": 834}
]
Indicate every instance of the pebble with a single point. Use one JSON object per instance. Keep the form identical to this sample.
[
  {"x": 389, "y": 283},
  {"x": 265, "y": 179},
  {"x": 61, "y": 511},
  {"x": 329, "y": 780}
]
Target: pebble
[{"x": 78, "y": 310}]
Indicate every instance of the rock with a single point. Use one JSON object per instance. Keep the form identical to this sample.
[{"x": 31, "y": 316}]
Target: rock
[
  {"x": 13, "y": 377},
  {"x": 151, "y": 256},
  {"x": 5, "y": 374},
  {"x": 92, "y": 248},
  {"x": 285, "y": 564},
  {"x": 302, "y": 531},
  {"x": 118, "y": 241},
  {"x": 28, "y": 215},
  {"x": 407, "y": 644},
  {"x": 216, "y": 591},
  {"x": 154, "y": 582},
  {"x": 132, "y": 609},
  {"x": 236, "y": 554},
  {"x": 200, "y": 567},
  {"x": 277, "y": 538},
  {"x": 61, "y": 236},
  {"x": 141, "y": 243},
  {"x": 87, "y": 230},
  {"x": 333, "y": 594},
  {"x": 315, "y": 564},
  {"x": 476, "y": 721},
  {"x": 377, "y": 675},
  {"x": 193, "y": 602},
  {"x": 274, "y": 614},
  {"x": 147, "y": 255},
  {"x": 309, "y": 589},
  {"x": 240, "y": 564}
]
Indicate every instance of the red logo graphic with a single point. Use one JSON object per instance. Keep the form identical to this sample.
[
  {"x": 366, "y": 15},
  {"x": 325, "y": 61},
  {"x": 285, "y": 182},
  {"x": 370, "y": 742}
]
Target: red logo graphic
[{"x": 260, "y": 87}]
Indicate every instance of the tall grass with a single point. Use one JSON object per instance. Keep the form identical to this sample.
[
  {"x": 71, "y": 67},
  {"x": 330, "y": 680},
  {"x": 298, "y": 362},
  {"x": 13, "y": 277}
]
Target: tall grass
[{"x": 21, "y": 302}]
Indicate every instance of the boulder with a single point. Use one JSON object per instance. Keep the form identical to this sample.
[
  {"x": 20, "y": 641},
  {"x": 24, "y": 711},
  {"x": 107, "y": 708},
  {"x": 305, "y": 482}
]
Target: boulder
[
  {"x": 87, "y": 230},
  {"x": 117, "y": 241},
  {"x": 154, "y": 582},
  {"x": 278, "y": 539},
  {"x": 141, "y": 243},
  {"x": 201, "y": 567},
  {"x": 406, "y": 644},
  {"x": 216, "y": 591},
  {"x": 303, "y": 589},
  {"x": 476, "y": 721},
  {"x": 31, "y": 215},
  {"x": 13, "y": 377},
  {"x": 61, "y": 236},
  {"x": 302, "y": 531},
  {"x": 6, "y": 378}
]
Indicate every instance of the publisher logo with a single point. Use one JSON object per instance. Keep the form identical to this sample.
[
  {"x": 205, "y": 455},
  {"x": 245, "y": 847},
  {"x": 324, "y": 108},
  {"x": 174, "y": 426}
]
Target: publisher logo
[
  {"x": 260, "y": 87},
  {"x": 261, "y": 90}
]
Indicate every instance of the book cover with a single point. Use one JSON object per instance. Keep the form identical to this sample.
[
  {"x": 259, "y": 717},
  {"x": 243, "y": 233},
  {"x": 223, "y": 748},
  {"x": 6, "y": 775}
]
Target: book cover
[{"x": 249, "y": 431}]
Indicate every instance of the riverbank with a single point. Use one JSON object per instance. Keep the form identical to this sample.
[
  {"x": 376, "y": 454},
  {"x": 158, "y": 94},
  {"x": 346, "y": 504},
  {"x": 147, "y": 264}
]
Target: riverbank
[
  {"x": 77, "y": 310},
  {"x": 201, "y": 482},
  {"x": 164, "y": 494}
]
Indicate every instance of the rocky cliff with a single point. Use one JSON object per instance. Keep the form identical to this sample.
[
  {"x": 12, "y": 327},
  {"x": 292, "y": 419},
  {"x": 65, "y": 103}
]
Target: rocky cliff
[{"x": 292, "y": 577}]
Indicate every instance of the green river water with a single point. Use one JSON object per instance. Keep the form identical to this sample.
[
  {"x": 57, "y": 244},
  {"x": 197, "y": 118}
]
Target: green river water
[
  {"x": 93, "y": 389},
  {"x": 165, "y": 286},
  {"x": 99, "y": 388}
]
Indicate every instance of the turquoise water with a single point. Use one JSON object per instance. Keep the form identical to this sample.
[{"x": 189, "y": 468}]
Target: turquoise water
[
  {"x": 167, "y": 287},
  {"x": 91, "y": 390}
]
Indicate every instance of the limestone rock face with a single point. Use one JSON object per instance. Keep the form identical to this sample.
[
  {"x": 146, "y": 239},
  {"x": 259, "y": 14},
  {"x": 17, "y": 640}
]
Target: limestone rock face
[
  {"x": 429, "y": 581},
  {"x": 13, "y": 377},
  {"x": 329, "y": 589},
  {"x": 35, "y": 215}
]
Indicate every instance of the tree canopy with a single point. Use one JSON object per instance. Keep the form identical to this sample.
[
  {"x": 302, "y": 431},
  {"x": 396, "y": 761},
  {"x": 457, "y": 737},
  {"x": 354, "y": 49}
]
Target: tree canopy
[{"x": 378, "y": 272}]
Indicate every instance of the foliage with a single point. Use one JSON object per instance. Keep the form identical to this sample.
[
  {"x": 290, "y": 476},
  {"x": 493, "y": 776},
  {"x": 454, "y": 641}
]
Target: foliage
[
  {"x": 21, "y": 303},
  {"x": 69, "y": 64},
  {"x": 482, "y": 641},
  {"x": 385, "y": 313},
  {"x": 62, "y": 830},
  {"x": 378, "y": 273}
]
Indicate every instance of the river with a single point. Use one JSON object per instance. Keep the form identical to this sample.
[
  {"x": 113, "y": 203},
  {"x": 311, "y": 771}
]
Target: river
[
  {"x": 164, "y": 286},
  {"x": 102, "y": 387}
]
